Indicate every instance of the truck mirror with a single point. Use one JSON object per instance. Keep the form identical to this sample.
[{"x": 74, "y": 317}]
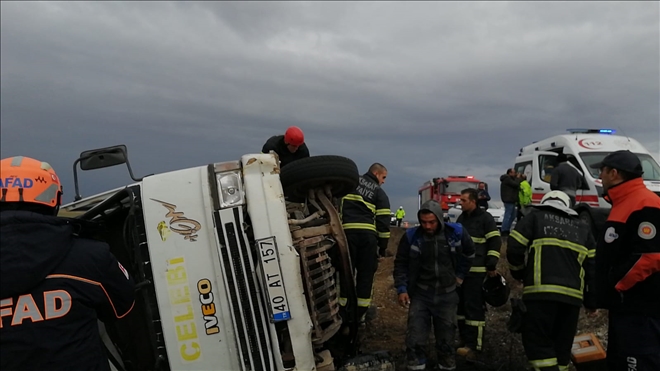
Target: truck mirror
[
  {"x": 104, "y": 157},
  {"x": 99, "y": 159}
]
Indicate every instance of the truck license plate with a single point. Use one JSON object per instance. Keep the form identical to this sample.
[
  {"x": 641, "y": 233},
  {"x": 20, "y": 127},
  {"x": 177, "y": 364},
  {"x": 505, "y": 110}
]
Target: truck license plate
[{"x": 272, "y": 276}]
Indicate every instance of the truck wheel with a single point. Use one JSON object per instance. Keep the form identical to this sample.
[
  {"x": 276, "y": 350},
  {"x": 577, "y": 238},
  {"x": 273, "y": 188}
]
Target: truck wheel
[{"x": 339, "y": 172}]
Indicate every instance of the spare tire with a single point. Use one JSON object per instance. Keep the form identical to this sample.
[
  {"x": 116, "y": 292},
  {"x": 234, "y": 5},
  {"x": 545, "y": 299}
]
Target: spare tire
[{"x": 300, "y": 176}]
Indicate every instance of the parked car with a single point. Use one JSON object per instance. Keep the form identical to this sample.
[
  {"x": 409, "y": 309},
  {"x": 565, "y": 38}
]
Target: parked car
[{"x": 494, "y": 209}]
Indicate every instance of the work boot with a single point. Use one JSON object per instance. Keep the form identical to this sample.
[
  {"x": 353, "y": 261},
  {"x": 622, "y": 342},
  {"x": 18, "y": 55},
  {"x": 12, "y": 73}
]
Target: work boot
[
  {"x": 446, "y": 362},
  {"x": 415, "y": 364},
  {"x": 467, "y": 353}
]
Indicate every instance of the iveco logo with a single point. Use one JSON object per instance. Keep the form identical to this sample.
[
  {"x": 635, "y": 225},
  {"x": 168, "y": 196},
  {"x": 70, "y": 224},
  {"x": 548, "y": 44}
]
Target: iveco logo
[{"x": 590, "y": 143}]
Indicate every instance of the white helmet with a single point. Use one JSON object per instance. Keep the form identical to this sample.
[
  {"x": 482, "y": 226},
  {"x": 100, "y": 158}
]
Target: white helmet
[
  {"x": 400, "y": 207},
  {"x": 558, "y": 200}
]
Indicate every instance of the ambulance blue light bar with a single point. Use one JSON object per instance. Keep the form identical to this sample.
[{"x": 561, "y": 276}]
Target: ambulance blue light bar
[{"x": 591, "y": 131}]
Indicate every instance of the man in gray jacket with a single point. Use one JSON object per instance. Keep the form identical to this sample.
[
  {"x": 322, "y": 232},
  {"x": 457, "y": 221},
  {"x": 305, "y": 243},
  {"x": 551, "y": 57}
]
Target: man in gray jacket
[{"x": 566, "y": 178}]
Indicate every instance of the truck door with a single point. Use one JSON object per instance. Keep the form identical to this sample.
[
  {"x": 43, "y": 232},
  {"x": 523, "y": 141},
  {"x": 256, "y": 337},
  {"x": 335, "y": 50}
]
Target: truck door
[{"x": 543, "y": 163}]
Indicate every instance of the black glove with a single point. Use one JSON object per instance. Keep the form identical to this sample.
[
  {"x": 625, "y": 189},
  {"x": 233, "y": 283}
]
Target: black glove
[
  {"x": 518, "y": 275},
  {"x": 518, "y": 310},
  {"x": 382, "y": 246}
]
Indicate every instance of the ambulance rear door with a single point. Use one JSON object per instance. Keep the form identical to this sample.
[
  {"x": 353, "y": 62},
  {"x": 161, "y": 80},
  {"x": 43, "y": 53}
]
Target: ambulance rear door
[{"x": 543, "y": 163}]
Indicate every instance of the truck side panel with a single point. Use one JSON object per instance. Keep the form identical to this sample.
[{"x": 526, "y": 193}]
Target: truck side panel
[
  {"x": 267, "y": 209},
  {"x": 188, "y": 276}
]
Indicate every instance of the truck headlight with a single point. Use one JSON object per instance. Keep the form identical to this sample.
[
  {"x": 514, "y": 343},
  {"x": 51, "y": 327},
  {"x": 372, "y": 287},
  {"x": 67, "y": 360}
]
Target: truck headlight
[{"x": 231, "y": 189}]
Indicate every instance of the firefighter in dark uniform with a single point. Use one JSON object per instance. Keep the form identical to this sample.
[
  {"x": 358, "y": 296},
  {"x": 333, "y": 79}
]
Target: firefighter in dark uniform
[
  {"x": 558, "y": 278},
  {"x": 54, "y": 285},
  {"x": 487, "y": 241},
  {"x": 365, "y": 217}
]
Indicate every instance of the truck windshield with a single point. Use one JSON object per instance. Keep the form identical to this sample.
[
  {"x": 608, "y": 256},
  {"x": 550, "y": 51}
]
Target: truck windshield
[
  {"x": 457, "y": 187},
  {"x": 649, "y": 165}
]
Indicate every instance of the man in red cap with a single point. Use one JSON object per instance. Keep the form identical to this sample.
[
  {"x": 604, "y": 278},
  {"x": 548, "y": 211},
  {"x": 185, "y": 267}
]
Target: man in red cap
[{"x": 289, "y": 147}]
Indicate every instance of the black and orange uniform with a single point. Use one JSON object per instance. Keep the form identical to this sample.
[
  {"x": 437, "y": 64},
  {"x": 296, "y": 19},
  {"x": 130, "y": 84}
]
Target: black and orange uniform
[
  {"x": 53, "y": 287},
  {"x": 558, "y": 278},
  {"x": 628, "y": 272},
  {"x": 472, "y": 307},
  {"x": 365, "y": 215}
]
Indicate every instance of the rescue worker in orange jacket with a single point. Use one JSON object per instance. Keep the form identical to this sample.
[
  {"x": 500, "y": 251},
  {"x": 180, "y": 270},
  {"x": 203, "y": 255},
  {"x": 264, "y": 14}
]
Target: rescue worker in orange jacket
[
  {"x": 628, "y": 265},
  {"x": 54, "y": 285}
]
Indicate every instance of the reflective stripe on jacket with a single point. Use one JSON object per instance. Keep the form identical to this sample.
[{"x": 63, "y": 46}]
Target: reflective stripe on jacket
[
  {"x": 560, "y": 253},
  {"x": 367, "y": 208},
  {"x": 487, "y": 241}
]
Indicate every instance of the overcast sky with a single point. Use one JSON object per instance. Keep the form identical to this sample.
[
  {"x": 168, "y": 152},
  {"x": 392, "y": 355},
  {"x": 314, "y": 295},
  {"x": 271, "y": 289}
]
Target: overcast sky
[{"x": 428, "y": 88}]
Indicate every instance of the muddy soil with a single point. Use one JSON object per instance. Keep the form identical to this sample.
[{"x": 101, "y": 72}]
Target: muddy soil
[{"x": 502, "y": 349}]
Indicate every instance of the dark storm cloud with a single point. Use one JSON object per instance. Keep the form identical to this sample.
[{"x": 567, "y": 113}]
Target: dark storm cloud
[{"x": 429, "y": 89}]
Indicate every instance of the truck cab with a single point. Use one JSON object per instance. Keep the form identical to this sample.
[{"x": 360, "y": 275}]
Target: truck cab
[
  {"x": 583, "y": 148},
  {"x": 237, "y": 264},
  {"x": 447, "y": 191}
]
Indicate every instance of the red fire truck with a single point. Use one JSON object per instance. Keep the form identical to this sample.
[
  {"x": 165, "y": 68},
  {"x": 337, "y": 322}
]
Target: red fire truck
[{"x": 447, "y": 191}]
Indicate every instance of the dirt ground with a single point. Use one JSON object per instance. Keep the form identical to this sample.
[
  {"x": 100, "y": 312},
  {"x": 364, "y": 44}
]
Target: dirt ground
[{"x": 502, "y": 349}]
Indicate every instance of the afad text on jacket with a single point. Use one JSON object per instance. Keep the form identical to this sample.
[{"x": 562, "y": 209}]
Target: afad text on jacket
[{"x": 53, "y": 287}]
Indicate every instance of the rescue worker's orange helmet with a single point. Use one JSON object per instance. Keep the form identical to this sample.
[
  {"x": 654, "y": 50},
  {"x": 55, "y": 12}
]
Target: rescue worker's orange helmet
[
  {"x": 294, "y": 136},
  {"x": 24, "y": 179}
]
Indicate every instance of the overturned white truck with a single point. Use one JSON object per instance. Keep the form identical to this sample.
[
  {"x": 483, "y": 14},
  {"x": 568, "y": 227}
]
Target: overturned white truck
[{"x": 230, "y": 273}]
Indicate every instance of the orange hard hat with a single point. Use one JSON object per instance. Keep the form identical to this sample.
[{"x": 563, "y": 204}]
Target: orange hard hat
[
  {"x": 294, "y": 136},
  {"x": 24, "y": 179}
]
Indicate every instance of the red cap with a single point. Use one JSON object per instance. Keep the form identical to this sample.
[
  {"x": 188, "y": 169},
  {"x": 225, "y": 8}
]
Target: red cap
[{"x": 294, "y": 136}]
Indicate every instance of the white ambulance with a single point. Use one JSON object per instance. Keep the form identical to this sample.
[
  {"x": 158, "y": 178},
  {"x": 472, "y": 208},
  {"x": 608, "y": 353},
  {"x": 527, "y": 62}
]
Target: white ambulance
[
  {"x": 583, "y": 147},
  {"x": 230, "y": 274}
]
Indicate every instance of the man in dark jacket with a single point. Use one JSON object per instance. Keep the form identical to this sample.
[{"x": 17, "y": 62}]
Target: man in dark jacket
[
  {"x": 628, "y": 265},
  {"x": 431, "y": 261},
  {"x": 484, "y": 196},
  {"x": 509, "y": 194},
  {"x": 289, "y": 147},
  {"x": 552, "y": 252},
  {"x": 53, "y": 285},
  {"x": 472, "y": 308},
  {"x": 566, "y": 178},
  {"x": 365, "y": 215}
]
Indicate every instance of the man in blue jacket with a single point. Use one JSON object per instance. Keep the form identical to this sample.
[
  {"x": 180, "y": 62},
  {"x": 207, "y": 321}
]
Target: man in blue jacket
[{"x": 432, "y": 260}]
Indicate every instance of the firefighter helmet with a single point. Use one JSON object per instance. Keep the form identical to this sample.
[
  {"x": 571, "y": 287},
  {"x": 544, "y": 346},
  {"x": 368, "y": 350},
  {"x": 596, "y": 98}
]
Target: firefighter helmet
[
  {"x": 294, "y": 136},
  {"x": 557, "y": 200},
  {"x": 24, "y": 179},
  {"x": 496, "y": 291}
]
